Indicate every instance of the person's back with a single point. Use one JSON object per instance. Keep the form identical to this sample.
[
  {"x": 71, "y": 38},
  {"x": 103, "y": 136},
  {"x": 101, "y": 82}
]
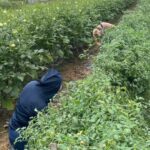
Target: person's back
[
  {"x": 35, "y": 95},
  {"x": 26, "y": 104}
]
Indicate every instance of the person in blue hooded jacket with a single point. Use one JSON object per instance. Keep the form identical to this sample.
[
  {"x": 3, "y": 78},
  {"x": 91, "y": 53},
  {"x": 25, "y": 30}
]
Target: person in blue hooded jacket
[{"x": 35, "y": 95}]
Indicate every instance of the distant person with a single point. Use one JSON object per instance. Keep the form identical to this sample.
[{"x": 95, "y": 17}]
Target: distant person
[
  {"x": 99, "y": 31},
  {"x": 35, "y": 95}
]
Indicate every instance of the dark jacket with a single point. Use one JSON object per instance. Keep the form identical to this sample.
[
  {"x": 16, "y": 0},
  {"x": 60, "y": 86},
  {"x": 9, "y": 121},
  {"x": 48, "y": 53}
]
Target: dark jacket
[{"x": 35, "y": 95}]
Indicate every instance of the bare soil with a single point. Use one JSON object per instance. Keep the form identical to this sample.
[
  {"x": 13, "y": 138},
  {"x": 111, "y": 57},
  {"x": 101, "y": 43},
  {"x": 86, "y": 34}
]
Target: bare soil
[
  {"x": 75, "y": 69},
  {"x": 4, "y": 140},
  {"x": 4, "y": 117}
]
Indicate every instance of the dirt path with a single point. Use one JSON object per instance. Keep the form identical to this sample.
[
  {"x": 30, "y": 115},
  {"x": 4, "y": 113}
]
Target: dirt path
[
  {"x": 75, "y": 69},
  {"x": 4, "y": 140}
]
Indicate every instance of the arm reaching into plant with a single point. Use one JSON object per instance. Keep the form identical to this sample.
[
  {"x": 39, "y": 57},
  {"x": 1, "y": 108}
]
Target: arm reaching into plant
[
  {"x": 99, "y": 31},
  {"x": 35, "y": 95}
]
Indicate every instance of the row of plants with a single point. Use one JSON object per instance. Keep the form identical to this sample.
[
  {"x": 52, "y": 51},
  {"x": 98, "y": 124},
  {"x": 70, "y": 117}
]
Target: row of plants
[
  {"x": 126, "y": 58},
  {"x": 35, "y": 36},
  {"x": 105, "y": 110},
  {"x": 16, "y": 4},
  {"x": 11, "y": 4}
]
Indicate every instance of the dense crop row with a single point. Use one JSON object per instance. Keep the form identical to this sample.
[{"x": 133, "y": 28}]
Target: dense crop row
[
  {"x": 104, "y": 111},
  {"x": 11, "y": 4},
  {"x": 35, "y": 36},
  {"x": 126, "y": 57}
]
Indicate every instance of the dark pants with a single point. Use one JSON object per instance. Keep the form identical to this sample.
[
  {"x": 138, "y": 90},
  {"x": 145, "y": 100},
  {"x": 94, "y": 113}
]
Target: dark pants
[{"x": 13, "y": 135}]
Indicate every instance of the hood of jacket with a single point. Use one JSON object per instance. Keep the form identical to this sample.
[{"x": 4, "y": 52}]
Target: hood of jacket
[{"x": 51, "y": 82}]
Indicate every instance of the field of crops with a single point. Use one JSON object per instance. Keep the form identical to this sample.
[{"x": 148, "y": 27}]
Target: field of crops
[
  {"x": 109, "y": 110},
  {"x": 35, "y": 36}
]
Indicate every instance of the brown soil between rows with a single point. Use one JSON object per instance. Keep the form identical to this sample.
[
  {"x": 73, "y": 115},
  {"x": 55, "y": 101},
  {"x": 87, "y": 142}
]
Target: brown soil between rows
[{"x": 4, "y": 140}]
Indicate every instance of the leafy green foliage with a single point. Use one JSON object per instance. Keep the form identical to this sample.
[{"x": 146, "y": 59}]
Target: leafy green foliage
[
  {"x": 33, "y": 37},
  {"x": 102, "y": 111},
  {"x": 125, "y": 56},
  {"x": 11, "y": 4}
]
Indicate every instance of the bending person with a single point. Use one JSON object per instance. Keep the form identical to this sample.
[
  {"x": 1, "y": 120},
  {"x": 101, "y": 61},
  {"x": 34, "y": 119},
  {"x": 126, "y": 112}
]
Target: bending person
[
  {"x": 99, "y": 31},
  {"x": 35, "y": 95}
]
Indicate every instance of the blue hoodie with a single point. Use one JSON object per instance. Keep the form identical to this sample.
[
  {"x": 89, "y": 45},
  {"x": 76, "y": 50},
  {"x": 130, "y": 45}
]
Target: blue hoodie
[{"x": 35, "y": 95}]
